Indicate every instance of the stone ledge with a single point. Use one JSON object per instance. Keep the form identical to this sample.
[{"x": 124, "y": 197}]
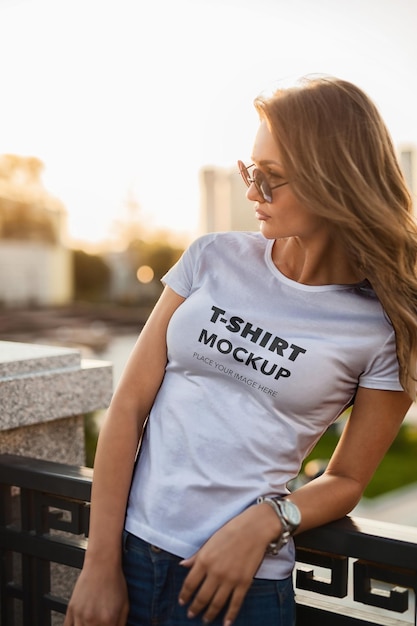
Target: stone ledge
[
  {"x": 44, "y": 383},
  {"x": 19, "y": 359}
]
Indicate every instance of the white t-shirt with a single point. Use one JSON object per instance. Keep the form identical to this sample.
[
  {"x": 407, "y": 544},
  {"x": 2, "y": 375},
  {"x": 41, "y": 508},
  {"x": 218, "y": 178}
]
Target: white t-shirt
[{"x": 258, "y": 367}]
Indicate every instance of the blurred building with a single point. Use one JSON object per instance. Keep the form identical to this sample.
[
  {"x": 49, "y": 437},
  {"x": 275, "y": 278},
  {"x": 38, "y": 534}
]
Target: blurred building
[
  {"x": 123, "y": 286},
  {"x": 35, "y": 263},
  {"x": 224, "y": 205},
  {"x": 33, "y": 273},
  {"x": 408, "y": 161}
]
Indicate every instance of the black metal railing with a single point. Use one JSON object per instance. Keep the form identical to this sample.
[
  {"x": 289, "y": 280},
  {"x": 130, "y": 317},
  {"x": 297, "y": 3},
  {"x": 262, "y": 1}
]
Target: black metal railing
[{"x": 351, "y": 572}]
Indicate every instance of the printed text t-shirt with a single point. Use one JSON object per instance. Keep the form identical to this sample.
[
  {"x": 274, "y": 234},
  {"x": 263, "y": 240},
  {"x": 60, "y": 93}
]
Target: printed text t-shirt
[{"x": 258, "y": 367}]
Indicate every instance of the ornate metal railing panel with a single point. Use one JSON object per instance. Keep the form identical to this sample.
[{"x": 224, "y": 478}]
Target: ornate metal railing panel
[
  {"x": 349, "y": 573},
  {"x": 365, "y": 572},
  {"x": 44, "y": 517}
]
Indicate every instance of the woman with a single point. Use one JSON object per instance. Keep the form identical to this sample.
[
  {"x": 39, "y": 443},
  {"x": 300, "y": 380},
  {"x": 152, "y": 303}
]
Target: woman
[{"x": 257, "y": 344}]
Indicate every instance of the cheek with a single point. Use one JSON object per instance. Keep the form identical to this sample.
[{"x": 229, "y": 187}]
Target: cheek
[
  {"x": 299, "y": 212},
  {"x": 298, "y": 206},
  {"x": 291, "y": 219},
  {"x": 291, "y": 210}
]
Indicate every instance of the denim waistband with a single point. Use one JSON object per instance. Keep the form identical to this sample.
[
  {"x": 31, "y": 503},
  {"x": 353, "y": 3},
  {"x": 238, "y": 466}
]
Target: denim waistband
[{"x": 131, "y": 542}]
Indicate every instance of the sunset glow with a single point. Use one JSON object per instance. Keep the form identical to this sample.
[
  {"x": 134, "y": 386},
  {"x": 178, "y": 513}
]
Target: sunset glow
[{"x": 128, "y": 96}]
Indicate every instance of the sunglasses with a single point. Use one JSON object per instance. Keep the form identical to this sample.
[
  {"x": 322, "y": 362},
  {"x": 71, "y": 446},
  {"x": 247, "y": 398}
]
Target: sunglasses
[{"x": 258, "y": 179}]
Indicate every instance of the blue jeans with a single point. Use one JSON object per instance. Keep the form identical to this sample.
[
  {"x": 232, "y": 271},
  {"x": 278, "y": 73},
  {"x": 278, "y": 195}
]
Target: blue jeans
[{"x": 154, "y": 578}]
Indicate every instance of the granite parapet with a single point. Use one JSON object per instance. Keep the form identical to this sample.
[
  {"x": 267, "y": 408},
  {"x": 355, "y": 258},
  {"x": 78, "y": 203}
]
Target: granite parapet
[{"x": 44, "y": 393}]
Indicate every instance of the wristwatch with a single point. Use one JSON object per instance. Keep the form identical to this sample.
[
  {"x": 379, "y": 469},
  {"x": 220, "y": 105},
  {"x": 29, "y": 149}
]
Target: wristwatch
[{"x": 289, "y": 516}]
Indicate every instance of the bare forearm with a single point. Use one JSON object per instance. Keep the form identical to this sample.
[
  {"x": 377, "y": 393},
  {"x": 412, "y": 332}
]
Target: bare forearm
[
  {"x": 325, "y": 499},
  {"x": 114, "y": 462},
  {"x": 113, "y": 468}
]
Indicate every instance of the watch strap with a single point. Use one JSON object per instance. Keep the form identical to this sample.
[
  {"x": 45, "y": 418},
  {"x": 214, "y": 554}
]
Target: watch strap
[{"x": 275, "y": 546}]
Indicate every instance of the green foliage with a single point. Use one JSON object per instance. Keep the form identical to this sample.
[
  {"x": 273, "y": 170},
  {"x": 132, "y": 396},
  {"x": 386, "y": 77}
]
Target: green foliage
[
  {"x": 397, "y": 468},
  {"x": 91, "y": 430},
  {"x": 91, "y": 276}
]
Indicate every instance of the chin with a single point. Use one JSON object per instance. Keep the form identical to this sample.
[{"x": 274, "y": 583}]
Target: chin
[{"x": 269, "y": 233}]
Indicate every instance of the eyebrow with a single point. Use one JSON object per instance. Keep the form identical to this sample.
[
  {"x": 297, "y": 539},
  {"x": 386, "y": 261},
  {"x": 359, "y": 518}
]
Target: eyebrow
[{"x": 267, "y": 162}]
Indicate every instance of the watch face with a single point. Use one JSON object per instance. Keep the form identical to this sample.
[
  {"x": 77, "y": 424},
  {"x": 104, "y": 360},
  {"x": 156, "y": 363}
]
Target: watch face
[{"x": 291, "y": 512}]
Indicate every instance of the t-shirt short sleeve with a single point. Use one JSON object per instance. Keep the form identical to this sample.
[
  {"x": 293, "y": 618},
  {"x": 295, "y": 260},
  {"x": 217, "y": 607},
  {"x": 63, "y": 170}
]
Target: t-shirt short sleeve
[
  {"x": 383, "y": 369},
  {"x": 181, "y": 275}
]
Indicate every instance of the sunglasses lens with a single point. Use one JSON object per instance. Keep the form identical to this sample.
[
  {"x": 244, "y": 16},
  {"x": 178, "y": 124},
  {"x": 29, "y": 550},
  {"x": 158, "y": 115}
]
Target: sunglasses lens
[
  {"x": 262, "y": 186},
  {"x": 258, "y": 179}
]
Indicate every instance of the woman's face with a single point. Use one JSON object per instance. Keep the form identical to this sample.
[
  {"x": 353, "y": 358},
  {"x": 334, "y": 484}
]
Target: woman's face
[{"x": 285, "y": 216}]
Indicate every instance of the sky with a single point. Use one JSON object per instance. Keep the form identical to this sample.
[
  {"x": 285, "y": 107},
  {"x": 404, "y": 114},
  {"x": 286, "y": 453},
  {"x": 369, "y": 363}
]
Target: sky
[{"x": 131, "y": 98}]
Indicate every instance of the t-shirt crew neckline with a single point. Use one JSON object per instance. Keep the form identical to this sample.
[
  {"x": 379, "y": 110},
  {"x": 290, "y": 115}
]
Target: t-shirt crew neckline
[{"x": 293, "y": 283}]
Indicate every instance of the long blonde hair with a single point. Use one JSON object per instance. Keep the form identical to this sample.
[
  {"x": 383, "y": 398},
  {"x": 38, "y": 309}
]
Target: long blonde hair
[{"x": 340, "y": 160}]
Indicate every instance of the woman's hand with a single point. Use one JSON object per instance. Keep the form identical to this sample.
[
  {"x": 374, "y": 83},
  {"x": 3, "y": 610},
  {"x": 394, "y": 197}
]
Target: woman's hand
[
  {"x": 99, "y": 599},
  {"x": 223, "y": 569}
]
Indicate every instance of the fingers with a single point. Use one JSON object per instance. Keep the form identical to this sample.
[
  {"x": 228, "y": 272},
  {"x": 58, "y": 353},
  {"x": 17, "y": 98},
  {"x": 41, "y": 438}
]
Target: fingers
[
  {"x": 217, "y": 601},
  {"x": 188, "y": 562},
  {"x": 221, "y": 572},
  {"x": 212, "y": 604},
  {"x": 235, "y": 604},
  {"x": 191, "y": 583},
  {"x": 211, "y": 594}
]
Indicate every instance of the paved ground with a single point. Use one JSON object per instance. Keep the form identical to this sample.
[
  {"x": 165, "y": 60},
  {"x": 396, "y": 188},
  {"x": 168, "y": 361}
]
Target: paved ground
[
  {"x": 412, "y": 414},
  {"x": 399, "y": 507}
]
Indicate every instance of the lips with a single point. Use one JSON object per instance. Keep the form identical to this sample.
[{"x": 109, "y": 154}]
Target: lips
[{"x": 260, "y": 215}]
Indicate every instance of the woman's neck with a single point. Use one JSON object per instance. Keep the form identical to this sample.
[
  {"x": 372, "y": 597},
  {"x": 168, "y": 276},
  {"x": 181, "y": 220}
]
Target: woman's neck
[{"x": 319, "y": 262}]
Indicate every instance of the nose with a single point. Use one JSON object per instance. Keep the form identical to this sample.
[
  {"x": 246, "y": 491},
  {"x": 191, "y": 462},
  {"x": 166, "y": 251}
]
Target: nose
[{"x": 254, "y": 195}]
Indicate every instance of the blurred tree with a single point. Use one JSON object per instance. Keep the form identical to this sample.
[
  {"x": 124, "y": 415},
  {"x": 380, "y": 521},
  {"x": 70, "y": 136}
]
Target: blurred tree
[
  {"x": 91, "y": 276},
  {"x": 19, "y": 170},
  {"x": 20, "y": 221},
  {"x": 27, "y": 210}
]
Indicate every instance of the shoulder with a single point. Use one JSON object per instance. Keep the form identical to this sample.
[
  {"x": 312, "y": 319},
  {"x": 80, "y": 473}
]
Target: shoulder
[
  {"x": 230, "y": 240},
  {"x": 209, "y": 255}
]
